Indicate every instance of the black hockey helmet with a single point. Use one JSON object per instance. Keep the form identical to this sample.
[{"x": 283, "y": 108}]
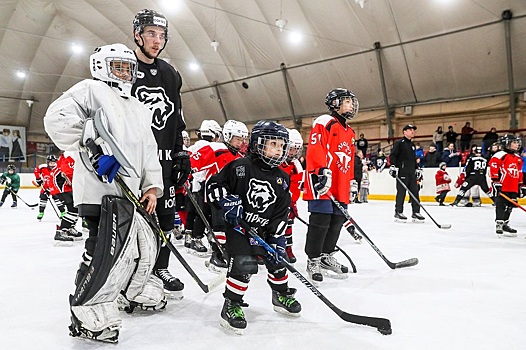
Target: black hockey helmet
[
  {"x": 335, "y": 97},
  {"x": 147, "y": 17},
  {"x": 51, "y": 158},
  {"x": 507, "y": 140},
  {"x": 11, "y": 167},
  {"x": 264, "y": 131}
]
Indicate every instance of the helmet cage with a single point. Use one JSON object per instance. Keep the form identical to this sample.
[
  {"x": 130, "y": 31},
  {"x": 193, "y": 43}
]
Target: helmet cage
[
  {"x": 264, "y": 137},
  {"x": 296, "y": 145},
  {"x": 234, "y": 128},
  {"x": 106, "y": 60}
]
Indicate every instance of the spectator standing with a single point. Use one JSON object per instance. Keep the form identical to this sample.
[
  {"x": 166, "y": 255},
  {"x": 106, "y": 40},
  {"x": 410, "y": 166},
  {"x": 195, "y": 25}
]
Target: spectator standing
[
  {"x": 362, "y": 144},
  {"x": 451, "y": 136},
  {"x": 451, "y": 156},
  {"x": 495, "y": 147},
  {"x": 488, "y": 139},
  {"x": 433, "y": 157},
  {"x": 466, "y": 135},
  {"x": 438, "y": 139},
  {"x": 358, "y": 166}
]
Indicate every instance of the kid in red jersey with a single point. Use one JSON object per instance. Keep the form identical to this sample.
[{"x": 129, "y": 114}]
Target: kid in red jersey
[{"x": 442, "y": 180}]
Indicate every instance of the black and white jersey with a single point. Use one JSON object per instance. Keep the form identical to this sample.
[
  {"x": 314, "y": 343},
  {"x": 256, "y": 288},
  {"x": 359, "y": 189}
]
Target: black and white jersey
[
  {"x": 264, "y": 192},
  {"x": 476, "y": 166},
  {"x": 158, "y": 87}
]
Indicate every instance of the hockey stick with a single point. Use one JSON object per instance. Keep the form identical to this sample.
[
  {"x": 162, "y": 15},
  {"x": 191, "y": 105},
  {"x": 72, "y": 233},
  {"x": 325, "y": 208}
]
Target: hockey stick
[
  {"x": 340, "y": 249},
  {"x": 23, "y": 201},
  {"x": 383, "y": 325},
  {"x": 348, "y": 226},
  {"x": 51, "y": 201},
  {"x": 153, "y": 223},
  {"x": 512, "y": 201},
  {"x": 443, "y": 226},
  {"x": 211, "y": 236},
  {"x": 405, "y": 263}
]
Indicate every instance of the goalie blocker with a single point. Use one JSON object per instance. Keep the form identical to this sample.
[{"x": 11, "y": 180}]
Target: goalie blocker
[{"x": 123, "y": 259}]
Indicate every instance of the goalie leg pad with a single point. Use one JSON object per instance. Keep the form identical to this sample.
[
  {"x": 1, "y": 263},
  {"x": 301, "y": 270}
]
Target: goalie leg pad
[
  {"x": 95, "y": 319},
  {"x": 152, "y": 296}
]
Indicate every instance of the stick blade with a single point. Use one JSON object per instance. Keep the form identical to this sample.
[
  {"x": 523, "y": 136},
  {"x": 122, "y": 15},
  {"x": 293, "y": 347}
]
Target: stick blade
[
  {"x": 445, "y": 226},
  {"x": 382, "y": 325},
  {"x": 406, "y": 263}
]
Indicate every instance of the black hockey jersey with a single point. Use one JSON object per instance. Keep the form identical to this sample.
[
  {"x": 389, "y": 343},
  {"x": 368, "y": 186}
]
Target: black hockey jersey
[
  {"x": 158, "y": 87},
  {"x": 476, "y": 166},
  {"x": 265, "y": 195}
]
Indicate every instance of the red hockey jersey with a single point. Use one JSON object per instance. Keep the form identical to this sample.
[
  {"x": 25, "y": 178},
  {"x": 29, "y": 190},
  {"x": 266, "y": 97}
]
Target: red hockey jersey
[
  {"x": 212, "y": 158},
  {"x": 506, "y": 168},
  {"x": 442, "y": 180},
  {"x": 331, "y": 145},
  {"x": 63, "y": 175},
  {"x": 295, "y": 171},
  {"x": 43, "y": 172}
]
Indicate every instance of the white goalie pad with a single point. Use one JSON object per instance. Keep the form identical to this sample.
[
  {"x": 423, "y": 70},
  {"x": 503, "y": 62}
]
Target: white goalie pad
[{"x": 98, "y": 317}]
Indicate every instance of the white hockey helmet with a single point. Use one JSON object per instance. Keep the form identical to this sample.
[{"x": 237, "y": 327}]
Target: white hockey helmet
[
  {"x": 115, "y": 65},
  {"x": 209, "y": 128},
  {"x": 296, "y": 144},
  {"x": 186, "y": 138},
  {"x": 234, "y": 128}
]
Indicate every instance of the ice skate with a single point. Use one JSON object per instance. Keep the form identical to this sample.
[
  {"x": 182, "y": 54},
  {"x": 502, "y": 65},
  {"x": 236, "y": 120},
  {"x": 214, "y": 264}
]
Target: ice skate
[
  {"x": 216, "y": 264},
  {"x": 73, "y": 233},
  {"x": 14, "y": 205},
  {"x": 285, "y": 303},
  {"x": 290, "y": 255},
  {"x": 508, "y": 231},
  {"x": 40, "y": 216},
  {"x": 187, "y": 238},
  {"x": 173, "y": 287},
  {"x": 1, "y": 203},
  {"x": 107, "y": 335},
  {"x": 314, "y": 271},
  {"x": 330, "y": 267},
  {"x": 399, "y": 217},
  {"x": 62, "y": 239},
  {"x": 232, "y": 317},
  {"x": 197, "y": 248},
  {"x": 417, "y": 217}
]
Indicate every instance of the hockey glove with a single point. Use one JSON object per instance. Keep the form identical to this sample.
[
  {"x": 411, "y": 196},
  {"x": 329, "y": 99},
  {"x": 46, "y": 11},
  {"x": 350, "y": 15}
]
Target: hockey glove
[
  {"x": 232, "y": 208},
  {"x": 2, "y": 181},
  {"x": 181, "y": 168},
  {"x": 106, "y": 165},
  {"x": 522, "y": 191},
  {"x": 496, "y": 187},
  {"x": 278, "y": 244},
  {"x": 393, "y": 171},
  {"x": 419, "y": 173},
  {"x": 323, "y": 181},
  {"x": 39, "y": 182}
]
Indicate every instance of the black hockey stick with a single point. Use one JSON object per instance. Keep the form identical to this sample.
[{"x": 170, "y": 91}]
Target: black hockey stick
[
  {"x": 211, "y": 236},
  {"x": 383, "y": 325},
  {"x": 443, "y": 226},
  {"x": 23, "y": 201},
  {"x": 512, "y": 201},
  {"x": 405, "y": 263},
  {"x": 348, "y": 226},
  {"x": 153, "y": 223},
  {"x": 340, "y": 249}
]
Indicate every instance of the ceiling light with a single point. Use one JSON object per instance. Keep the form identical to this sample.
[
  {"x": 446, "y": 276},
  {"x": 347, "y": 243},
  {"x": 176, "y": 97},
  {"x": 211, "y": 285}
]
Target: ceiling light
[
  {"x": 76, "y": 48},
  {"x": 20, "y": 74},
  {"x": 281, "y": 23},
  {"x": 215, "y": 44},
  {"x": 295, "y": 37},
  {"x": 361, "y": 3},
  {"x": 194, "y": 66}
]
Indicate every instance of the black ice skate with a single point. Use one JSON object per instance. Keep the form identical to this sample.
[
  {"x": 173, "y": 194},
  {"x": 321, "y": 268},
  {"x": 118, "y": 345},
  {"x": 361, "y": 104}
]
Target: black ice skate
[
  {"x": 216, "y": 264},
  {"x": 399, "y": 217},
  {"x": 197, "y": 248},
  {"x": 62, "y": 239},
  {"x": 314, "y": 271},
  {"x": 285, "y": 303},
  {"x": 187, "y": 238},
  {"x": 330, "y": 267},
  {"x": 508, "y": 231},
  {"x": 73, "y": 233},
  {"x": 173, "y": 287},
  {"x": 417, "y": 217},
  {"x": 14, "y": 205},
  {"x": 232, "y": 317}
]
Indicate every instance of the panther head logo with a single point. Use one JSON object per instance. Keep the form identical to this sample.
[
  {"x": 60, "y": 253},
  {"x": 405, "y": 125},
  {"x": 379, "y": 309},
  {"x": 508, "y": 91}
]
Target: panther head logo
[
  {"x": 158, "y": 102},
  {"x": 260, "y": 195}
]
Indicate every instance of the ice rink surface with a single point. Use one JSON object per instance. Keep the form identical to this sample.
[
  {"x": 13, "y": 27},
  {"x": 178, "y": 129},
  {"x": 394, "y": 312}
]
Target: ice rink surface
[{"x": 467, "y": 292}]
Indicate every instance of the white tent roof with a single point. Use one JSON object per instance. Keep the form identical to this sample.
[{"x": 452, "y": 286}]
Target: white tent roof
[{"x": 430, "y": 51}]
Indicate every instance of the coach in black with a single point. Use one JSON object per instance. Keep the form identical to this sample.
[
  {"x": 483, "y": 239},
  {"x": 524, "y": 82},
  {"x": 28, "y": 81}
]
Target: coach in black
[{"x": 403, "y": 166}]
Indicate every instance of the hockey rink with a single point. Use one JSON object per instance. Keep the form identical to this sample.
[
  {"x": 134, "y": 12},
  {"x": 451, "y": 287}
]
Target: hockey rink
[{"x": 467, "y": 292}]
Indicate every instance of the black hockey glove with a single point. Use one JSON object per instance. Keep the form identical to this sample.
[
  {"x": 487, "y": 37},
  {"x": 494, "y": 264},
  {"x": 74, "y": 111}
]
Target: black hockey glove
[
  {"x": 278, "y": 244},
  {"x": 496, "y": 187},
  {"x": 322, "y": 181},
  {"x": 232, "y": 208},
  {"x": 522, "y": 191},
  {"x": 419, "y": 173},
  {"x": 181, "y": 168},
  {"x": 393, "y": 171},
  {"x": 39, "y": 182}
]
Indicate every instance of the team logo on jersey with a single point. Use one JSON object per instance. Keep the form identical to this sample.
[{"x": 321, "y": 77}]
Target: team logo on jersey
[
  {"x": 240, "y": 171},
  {"x": 260, "y": 195},
  {"x": 344, "y": 157},
  {"x": 153, "y": 71},
  {"x": 140, "y": 75},
  {"x": 513, "y": 171},
  {"x": 156, "y": 99}
]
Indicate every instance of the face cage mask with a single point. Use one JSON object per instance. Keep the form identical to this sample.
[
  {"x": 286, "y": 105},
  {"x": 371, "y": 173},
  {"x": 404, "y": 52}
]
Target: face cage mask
[
  {"x": 298, "y": 149},
  {"x": 130, "y": 70},
  {"x": 262, "y": 148}
]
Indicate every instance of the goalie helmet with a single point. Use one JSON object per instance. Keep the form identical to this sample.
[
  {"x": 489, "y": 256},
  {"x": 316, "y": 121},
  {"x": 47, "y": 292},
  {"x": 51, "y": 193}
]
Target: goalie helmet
[
  {"x": 334, "y": 99},
  {"x": 234, "y": 128},
  {"x": 296, "y": 145},
  {"x": 507, "y": 140},
  {"x": 210, "y": 130},
  {"x": 115, "y": 65},
  {"x": 145, "y": 18},
  {"x": 265, "y": 137}
]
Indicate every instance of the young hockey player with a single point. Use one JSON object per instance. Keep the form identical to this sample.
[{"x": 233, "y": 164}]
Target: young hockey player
[
  {"x": 97, "y": 119},
  {"x": 255, "y": 189},
  {"x": 158, "y": 87},
  {"x": 364, "y": 188},
  {"x": 12, "y": 184},
  {"x": 442, "y": 180},
  {"x": 293, "y": 168},
  {"x": 210, "y": 159},
  {"x": 43, "y": 179},
  {"x": 475, "y": 171},
  {"x": 506, "y": 176},
  {"x": 329, "y": 170}
]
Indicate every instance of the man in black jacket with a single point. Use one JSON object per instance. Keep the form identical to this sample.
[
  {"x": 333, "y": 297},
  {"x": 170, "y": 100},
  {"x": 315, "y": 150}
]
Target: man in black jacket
[
  {"x": 403, "y": 165},
  {"x": 432, "y": 158}
]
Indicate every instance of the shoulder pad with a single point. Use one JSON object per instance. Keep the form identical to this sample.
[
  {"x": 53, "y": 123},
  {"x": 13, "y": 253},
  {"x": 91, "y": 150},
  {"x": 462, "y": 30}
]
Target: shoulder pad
[{"x": 323, "y": 120}]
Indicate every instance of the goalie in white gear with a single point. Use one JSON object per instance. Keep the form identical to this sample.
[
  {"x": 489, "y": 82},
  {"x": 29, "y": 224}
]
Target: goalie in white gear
[{"x": 119, "y": 259}]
